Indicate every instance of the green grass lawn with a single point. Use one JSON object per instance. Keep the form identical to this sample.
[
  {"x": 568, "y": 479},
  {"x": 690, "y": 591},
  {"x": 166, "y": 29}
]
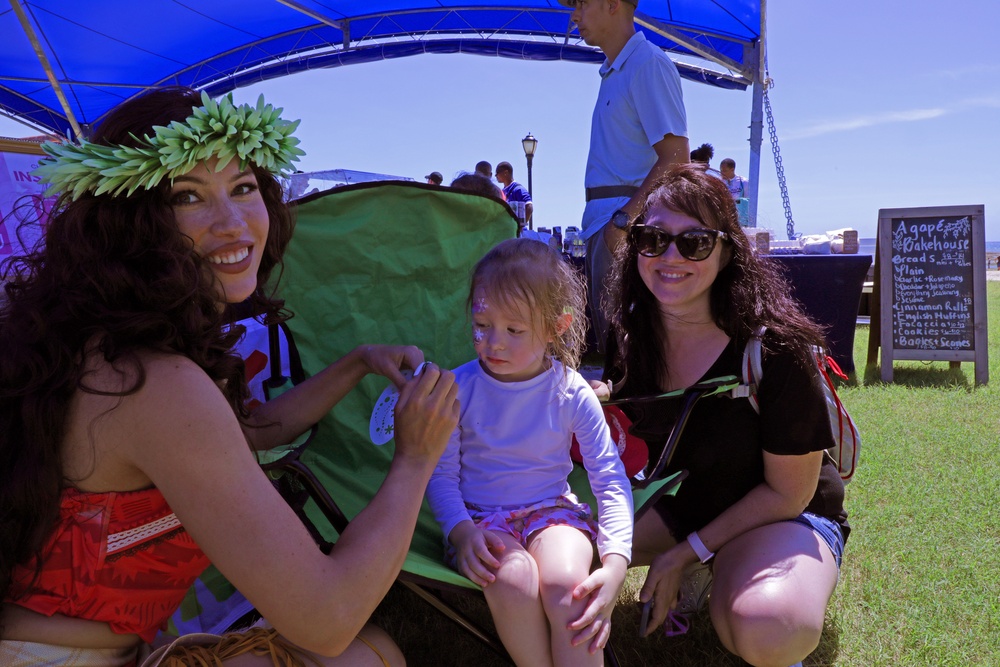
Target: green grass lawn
[{"x": 920, "y": 583}]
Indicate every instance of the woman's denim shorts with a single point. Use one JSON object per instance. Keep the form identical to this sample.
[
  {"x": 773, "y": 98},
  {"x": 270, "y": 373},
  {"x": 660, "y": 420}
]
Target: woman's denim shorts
[{"x": 827, "y": 529}]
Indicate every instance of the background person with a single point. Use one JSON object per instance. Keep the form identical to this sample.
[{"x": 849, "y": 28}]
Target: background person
[
  {"x": 703, "y": 155},
  {"x": 639, "y": 127},
  {"x": 762, "y": 504},
  {"x": 515, "y": 192},
  {"x": 738, "y": 188},
  {"x": 736, "y": 184},
  {"x": 434, "y": 178},
  {"x": 124, "y": 434},
  {"x": 477, "y": 183},
  {"x": 484, "y": 168},
  {"x": 501, "y": 493}
]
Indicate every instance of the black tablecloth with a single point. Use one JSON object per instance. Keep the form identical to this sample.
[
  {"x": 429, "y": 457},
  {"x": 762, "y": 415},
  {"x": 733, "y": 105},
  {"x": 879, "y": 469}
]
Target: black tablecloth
[{"x": 829, "y": 288}]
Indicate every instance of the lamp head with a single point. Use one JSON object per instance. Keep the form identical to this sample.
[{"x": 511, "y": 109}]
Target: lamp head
[{"x": 530, "y": 144}]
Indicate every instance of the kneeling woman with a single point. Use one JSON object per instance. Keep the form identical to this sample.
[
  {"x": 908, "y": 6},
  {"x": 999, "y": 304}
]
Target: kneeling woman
[{"x": 762, "y": 504}]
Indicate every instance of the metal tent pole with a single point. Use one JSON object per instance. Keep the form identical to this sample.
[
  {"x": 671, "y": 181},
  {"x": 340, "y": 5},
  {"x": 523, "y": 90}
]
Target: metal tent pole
[
  {"x": 757, "y": 114},
  {"x": 756, "y": 140},
  {"x": 43, "y": 59}
]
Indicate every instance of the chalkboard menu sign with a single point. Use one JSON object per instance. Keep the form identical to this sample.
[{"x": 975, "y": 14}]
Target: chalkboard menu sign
[{"x": 932, "y": 274}]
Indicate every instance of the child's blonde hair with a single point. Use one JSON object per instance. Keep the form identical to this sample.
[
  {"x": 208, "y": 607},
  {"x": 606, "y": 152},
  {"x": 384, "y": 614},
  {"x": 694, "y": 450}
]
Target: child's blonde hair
[{"x": 531, "y": 272}]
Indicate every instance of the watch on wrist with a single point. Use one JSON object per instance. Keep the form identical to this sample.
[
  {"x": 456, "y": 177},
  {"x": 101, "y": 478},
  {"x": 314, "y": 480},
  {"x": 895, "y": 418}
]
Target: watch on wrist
[{"x": 620, "y": 219}]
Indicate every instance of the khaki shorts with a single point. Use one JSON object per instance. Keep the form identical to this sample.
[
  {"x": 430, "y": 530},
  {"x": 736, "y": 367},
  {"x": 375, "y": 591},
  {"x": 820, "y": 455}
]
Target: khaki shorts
[
  {"x": 33, "y": 654},
  {"x": 192, "y": 649}
]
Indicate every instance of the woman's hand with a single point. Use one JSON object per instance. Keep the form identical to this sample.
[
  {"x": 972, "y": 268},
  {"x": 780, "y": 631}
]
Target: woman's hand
[
  {"x": 388, "y": 360},
  {"x": 663, "y": 583},
  {"x": 474, "y": 549},
  {"x": 603, "y": 587},
  {"x": 426, "y": 414}
]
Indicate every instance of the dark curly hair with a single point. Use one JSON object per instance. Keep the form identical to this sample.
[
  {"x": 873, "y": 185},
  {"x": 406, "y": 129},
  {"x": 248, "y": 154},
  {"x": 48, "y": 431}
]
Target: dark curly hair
[
  {"x": 748, "y": 293},
  {"x": 115, "y": 275}
]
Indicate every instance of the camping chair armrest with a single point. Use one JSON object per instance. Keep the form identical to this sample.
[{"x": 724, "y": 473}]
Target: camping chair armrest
[
  {"x": 292, "y": 465},
  {"x": 691, "y": 396}
]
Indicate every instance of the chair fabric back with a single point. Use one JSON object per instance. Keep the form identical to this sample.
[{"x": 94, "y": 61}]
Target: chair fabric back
[{"x": 383, "y": 263}]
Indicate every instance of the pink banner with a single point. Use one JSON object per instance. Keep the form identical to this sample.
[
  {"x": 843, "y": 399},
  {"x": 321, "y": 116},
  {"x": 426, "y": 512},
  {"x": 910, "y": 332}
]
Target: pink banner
[{"x": 16, "y": 182}]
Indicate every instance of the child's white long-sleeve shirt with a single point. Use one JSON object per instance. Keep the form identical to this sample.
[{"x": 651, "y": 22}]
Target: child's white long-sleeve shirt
[{"x": 511, "y": 449}]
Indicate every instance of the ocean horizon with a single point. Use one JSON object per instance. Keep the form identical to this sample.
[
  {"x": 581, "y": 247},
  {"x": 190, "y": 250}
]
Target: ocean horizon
[{"x": 866, "y": 246}]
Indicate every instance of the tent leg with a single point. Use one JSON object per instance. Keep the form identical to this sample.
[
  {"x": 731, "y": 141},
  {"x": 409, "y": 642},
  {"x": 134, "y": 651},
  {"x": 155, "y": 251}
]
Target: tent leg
[
  {"x": 454, "y": 616},
  {"x": 756, "y": 140}
]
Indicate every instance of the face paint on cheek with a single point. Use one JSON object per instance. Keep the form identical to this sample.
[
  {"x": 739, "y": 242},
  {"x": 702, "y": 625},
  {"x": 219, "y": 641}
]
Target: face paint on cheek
[{"x": 478, "y": 336}]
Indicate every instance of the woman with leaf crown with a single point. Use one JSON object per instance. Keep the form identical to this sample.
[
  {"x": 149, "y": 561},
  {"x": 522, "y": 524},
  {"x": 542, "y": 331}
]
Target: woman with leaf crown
[{"x": 125, "y": 441}]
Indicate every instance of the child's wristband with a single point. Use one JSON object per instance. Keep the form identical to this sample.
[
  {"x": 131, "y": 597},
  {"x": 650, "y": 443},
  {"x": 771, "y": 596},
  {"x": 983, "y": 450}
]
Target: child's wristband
[{"x": 700, "y": 550}]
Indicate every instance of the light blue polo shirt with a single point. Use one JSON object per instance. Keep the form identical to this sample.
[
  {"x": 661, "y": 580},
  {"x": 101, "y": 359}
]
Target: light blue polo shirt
[{"x": 639, "y": 102}]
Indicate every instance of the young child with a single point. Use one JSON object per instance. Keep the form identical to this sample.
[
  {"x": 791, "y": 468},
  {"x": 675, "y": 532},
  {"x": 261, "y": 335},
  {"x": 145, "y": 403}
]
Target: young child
[{"x": 500, "y": 491}]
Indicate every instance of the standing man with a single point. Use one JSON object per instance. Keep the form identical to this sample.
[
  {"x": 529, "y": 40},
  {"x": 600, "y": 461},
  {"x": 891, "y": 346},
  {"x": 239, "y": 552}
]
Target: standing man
[
  {"x": 639, "y": 127},
  {"x": 434, "y": 178},
  {"x": 737, "y": 184},
  {"x": 484, "y": 168},
  {"x": 514, "y": 192},
  {"x": 737, "y": 188}
]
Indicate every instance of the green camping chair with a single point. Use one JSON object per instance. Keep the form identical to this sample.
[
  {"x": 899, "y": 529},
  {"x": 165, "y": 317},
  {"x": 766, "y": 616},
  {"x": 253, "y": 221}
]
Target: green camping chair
[
  {"x": 381, "y": 262},
  {"x": 378, "y": 263}
]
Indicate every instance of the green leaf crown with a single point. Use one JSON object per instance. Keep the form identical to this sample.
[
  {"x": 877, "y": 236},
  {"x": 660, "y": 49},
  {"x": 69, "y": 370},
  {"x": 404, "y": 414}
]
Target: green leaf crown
[{"x": 216, "y": 129}]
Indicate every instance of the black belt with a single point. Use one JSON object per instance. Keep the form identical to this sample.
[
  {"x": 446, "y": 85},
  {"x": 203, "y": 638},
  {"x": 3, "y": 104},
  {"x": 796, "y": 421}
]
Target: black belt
[{"x": 611, "y": 191}]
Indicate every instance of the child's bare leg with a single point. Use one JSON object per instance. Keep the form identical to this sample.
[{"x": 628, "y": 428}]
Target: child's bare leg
[
  {"x": 564, "y": 555},
  {"x": 516, "y": 607}
]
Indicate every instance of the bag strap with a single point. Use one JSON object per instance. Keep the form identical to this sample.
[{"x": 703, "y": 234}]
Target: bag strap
[
  {"x": 751, "y": 369},
  {"x": 828, "y": 362},
  {"x": 295, "y": 368},
  {"x": 276, "y": 380}
]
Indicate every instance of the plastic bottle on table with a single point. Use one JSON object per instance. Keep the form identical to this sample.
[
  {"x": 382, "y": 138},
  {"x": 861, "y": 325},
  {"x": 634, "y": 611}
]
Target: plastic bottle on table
[
  {"x": 556, "y": 240},
  {"x": 579, "y": 246},
  {"x": 569, "y": 239}
]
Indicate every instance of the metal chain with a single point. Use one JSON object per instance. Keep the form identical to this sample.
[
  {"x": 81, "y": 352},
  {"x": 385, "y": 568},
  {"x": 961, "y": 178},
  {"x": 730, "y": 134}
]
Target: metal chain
[{"x": 789, "y": 224}]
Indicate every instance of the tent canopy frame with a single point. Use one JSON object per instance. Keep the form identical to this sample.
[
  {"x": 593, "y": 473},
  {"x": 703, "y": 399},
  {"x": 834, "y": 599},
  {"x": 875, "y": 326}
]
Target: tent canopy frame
[{"x": 66, "y": 64}]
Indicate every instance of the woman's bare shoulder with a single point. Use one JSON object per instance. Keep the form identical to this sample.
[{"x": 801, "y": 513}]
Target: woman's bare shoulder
[
  {"x": 147, "y": 382},
  {"x": 127, "y": 406},
  {"x": 130, "y": 372},
  {"x": 175, "y": 386}
]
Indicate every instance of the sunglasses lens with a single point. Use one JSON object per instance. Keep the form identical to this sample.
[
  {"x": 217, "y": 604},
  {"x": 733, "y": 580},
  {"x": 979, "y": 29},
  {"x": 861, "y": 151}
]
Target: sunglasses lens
[
  {"x": 650, "y": 242},
  {"x": 696, "y": 244}
]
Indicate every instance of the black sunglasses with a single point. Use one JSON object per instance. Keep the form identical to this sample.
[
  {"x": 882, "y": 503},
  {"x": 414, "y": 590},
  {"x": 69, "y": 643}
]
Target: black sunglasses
[{"x": 693, "y": 244}]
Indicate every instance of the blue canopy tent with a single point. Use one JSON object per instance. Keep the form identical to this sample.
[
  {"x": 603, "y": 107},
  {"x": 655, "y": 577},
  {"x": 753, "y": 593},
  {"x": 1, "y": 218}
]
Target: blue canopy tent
[{"x": 64, "y": 64}]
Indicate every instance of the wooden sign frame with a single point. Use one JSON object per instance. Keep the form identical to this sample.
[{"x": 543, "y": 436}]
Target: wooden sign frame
[{"x": 973, "y": 279}]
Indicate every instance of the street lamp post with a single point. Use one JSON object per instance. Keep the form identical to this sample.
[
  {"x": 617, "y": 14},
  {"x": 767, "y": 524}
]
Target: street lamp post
[{"x": 530, "y": 144}]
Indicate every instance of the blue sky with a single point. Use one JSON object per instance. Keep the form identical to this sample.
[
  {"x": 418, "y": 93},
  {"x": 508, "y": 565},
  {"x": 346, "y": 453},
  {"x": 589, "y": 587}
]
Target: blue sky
[{"x": 877, "y": 105}]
